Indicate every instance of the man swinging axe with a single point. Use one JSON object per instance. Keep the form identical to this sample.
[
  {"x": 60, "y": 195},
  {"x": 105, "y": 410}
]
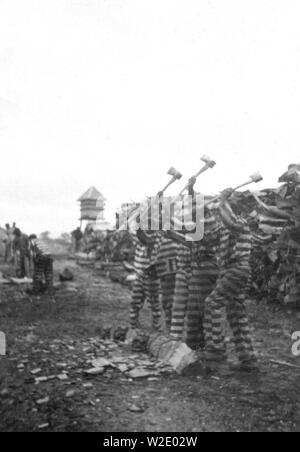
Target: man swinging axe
[
  {"x": 184, "y": 284},
  {"x": 203, "y": 272},
  {"x": 229, "y": 293},
  {"x": 146, "y": 285},
  {"x": 195, "y": 280},
  {"x": 169, "y": 253}
]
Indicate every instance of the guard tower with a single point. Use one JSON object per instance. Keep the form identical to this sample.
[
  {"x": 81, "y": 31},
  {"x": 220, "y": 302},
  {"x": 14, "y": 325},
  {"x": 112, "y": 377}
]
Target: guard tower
[{"x": 92, "y": 204}]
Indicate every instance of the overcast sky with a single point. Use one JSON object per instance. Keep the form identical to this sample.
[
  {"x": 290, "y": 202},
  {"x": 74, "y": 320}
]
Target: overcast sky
[{"x": 112, "y": 93}]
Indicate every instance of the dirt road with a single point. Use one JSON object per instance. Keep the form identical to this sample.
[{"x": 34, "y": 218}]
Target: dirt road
[{"x": 50, "y": 342}]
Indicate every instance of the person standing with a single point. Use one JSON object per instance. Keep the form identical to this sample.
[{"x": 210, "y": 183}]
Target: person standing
[
  {"x": 204, "y": 274},
  {"x": 167, "y": 259},
  {"x": 181, "y": 291},
  {"x": 21, "y": 254},
  {"x": 77, "y": 237},
  {"x": 43, "y": 266},
  {"x": 8, "y": 244},
  {"x": 146, "y": 284},
  {"x": 196, "y": 278}
]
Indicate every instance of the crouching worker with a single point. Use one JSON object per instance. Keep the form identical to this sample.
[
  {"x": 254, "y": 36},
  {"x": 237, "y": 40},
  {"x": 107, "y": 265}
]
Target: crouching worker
[{"x": 43, "y": 266}]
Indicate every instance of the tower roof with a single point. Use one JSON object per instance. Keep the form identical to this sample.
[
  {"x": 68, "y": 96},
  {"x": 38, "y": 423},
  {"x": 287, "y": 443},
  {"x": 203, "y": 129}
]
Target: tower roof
[{"x": 91, "y": 193}]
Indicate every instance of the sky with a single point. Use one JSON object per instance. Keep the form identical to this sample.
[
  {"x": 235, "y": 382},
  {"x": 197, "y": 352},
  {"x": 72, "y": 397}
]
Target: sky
[{"x": 112, "y": 93}]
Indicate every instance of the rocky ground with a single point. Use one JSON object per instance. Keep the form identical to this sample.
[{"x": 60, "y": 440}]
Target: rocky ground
[{"x": 53, "y": 342}]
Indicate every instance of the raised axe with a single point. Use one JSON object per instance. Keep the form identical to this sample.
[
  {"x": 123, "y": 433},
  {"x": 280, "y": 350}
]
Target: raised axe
[
  {"x": 254, "y": 178},
  {"x": 209, "y": 163},
  {"x": 176, "y": 175}
]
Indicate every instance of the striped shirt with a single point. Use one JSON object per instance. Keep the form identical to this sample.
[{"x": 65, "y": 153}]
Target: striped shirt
[
  {"x": 235, "y": 239},
  {"x": 259, "y": 241},
  {"x": 141, "y": 258},
  {"x": 207, "y": 248},
  {"x": 145, "y": 255},
  {"x": 184, "y": 258},
  {"x": 167, "y": 256},
  {"x": 41, "y": 249}
]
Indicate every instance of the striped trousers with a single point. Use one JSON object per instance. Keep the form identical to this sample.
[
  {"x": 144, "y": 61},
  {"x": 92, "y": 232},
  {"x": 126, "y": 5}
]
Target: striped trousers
[
  {"x": 145, "y": 288},
  {"x": 228, "y": 294},
  {"x": 202, "y": 282},
  {"x": 167, "y": 283},
  {"x": 43, "y": 274},
  {"x": 193, "y": 286},
  {"x": 180, "y": 302}
]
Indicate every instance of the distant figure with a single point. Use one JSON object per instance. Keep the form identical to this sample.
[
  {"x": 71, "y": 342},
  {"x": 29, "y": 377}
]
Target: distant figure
[
  {"x": 108, "y": 246},
  {"x": 77, "y": 237},
  {"x": 21, "y": 254},
  {"x": 43, "y": 266},
  {"x": 8, "y": 244},
  {"x": 88, "y": 230}
]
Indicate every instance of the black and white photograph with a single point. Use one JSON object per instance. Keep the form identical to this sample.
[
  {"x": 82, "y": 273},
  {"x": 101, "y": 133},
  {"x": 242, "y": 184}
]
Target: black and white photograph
[{"x": 150, "y": 219}]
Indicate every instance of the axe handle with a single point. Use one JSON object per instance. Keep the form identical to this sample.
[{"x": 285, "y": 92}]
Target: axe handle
[
  {"x": 243, "y": 185},
  {"x": 211, "y": 201},
  {"x": 168, "y": 185},
  {"x": 234, "y": 189},
  {"x": 174, "y": 179},
  {"x": 205, "y": 168}
]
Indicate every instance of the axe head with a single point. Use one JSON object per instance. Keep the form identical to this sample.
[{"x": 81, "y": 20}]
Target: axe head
[
  {"x": 256, "y": 177},
  {"x": 173, "y": 172},
  {"x": 208, "y": 161}
]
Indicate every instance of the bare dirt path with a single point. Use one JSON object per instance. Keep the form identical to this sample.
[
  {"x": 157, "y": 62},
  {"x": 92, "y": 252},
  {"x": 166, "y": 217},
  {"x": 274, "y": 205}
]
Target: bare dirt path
[{"x": 48, "y": 338}]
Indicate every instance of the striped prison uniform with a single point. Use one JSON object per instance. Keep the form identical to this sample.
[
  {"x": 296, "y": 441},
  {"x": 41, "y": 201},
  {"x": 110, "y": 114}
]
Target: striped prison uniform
[
  {"x": 204, "y": 274},
  {"x": 145, "y": 287},
  {"x": 182, "y": 277},
  {"x": 184, "y": 262},
  {"x": 166, "y": 265},
  {"x": 43, "y": 268},
  {"x": 235, "y": 249},
  {"x": 195, "y": 280}
]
